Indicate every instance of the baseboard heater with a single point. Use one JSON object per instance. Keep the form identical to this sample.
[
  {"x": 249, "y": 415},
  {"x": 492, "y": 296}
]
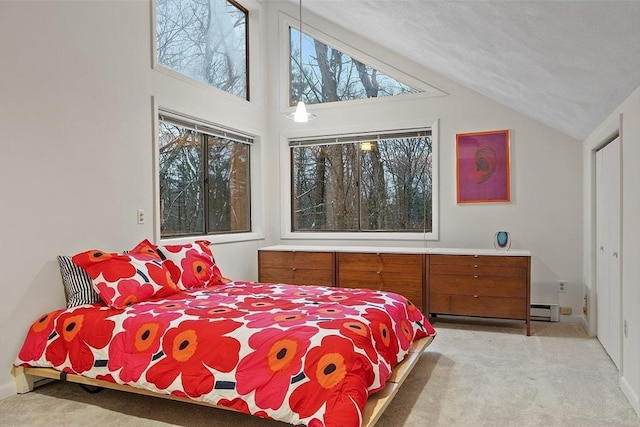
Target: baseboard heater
[{"x": 546, "y": 312}]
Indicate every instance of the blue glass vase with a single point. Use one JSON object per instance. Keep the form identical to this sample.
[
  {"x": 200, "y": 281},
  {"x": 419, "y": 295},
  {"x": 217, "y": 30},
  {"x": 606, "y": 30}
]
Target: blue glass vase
[{"x": 502, "y": 241}]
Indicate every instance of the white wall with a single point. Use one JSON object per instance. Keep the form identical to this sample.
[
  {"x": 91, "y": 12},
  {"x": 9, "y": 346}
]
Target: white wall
[
  {"x": 545, "y": 214},
  {"x": 625, "y": 120},
  {"x": 76, "y": 151},
  {"x": 76, "y": 158}
]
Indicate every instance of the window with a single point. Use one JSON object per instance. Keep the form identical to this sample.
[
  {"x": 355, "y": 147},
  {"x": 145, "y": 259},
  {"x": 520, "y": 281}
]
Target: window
[
  {"x": 206, "y": 41},
  {"x": 204, "y": 178},
  {"x": 331, "y": 75},
  {"x": 363, "y": 183}
]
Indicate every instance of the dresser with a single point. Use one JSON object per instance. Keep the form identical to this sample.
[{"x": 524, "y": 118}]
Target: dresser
[
  {"x": 441, "y": 281},
  {"x": 480, "y": 285}
]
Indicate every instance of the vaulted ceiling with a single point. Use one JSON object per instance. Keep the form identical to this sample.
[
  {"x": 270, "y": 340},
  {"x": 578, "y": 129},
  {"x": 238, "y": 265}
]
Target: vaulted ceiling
[{"x": 568, "y": 64}]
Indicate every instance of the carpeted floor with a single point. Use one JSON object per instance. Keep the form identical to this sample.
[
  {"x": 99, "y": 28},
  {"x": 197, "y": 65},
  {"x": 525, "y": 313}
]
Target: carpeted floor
[{"x": 475, "y": 373}]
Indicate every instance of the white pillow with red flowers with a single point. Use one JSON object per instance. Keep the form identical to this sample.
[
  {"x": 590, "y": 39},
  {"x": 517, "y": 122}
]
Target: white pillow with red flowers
[
  {"x": 191, "y": 265},
  {"x": 125, "y": 279}
]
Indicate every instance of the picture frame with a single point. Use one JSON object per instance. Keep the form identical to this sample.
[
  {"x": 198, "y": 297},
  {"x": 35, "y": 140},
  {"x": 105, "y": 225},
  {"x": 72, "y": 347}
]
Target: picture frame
[{"x": 483, "y": 167}]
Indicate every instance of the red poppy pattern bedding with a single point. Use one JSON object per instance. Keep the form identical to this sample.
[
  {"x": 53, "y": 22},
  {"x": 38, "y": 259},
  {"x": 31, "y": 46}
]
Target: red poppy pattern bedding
[{"x": 298, "y": 354}]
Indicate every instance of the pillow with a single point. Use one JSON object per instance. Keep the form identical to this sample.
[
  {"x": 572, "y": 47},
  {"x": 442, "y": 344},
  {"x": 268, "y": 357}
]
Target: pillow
[
  {"x": 125, "y": 279},
  {"x": 78, "y": 288},
  {"x": 191, "y": 265}
]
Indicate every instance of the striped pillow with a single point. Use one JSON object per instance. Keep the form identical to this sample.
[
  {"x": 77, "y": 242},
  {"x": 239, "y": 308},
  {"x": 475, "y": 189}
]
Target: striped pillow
[{"x": 78, "y": 287}]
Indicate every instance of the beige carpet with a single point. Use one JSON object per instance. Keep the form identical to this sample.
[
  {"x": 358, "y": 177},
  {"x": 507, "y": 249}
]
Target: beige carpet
[{"x": 475, "y": 373}]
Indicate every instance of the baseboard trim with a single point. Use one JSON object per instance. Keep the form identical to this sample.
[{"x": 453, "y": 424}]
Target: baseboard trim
[
  {"x": 631, "y": 396},
  {"x": 571, "y": 318},
  {"x": 585, "y": 324}
]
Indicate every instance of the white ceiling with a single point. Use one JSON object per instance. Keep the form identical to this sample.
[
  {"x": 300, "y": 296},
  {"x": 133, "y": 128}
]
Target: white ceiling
[{"x": 568, "y": 64}]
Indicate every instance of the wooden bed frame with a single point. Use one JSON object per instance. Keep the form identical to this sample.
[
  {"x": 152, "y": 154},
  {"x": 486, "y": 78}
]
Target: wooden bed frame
[{"x": 377, "y": 403}]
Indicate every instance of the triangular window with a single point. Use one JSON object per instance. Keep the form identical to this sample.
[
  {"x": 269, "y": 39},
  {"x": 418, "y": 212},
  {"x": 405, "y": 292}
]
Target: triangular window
[{"x": 330, "y": 75}]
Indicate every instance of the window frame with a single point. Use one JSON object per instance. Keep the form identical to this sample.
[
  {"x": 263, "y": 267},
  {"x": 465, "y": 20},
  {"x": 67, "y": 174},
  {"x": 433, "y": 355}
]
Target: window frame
[
  {"x": 287, "y": 205},
  {"x": 255, "y": 201},
  {"x": 203, "y": 85}
]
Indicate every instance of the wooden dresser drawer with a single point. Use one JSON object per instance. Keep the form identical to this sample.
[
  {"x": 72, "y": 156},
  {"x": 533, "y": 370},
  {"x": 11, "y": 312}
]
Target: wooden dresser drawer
[
  {"x": 478, "y": 285},
  {"x": 469, "y": 305},
  {"x": 296, "y": 267},
  {"x": 380, "y": 262},
  {"x": 296, "y": 276},
  {"x": 483, "y": 260},
  {"x": 479, "y": 269},
  {"x": 296, "y": 259},
  {"x": 479, "y": 265},
  {"x": 408, "y": 285}
]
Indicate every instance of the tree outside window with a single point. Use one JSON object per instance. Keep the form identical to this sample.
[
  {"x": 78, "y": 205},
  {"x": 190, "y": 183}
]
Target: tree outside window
[
  {"x": 382, "y": 184},
  {"x": 205, "y": 40},
  {"x": 204, "y": 181},
  {"x": 329, "y": 75}
]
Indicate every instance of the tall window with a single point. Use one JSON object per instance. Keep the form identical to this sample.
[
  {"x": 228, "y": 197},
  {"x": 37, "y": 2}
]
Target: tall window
[
  {"x": 204, "y": 179},
  {"x": 205, "y": 40},
  {"x": 330, "y": 75},
  {"x": 363, "y": 183}
]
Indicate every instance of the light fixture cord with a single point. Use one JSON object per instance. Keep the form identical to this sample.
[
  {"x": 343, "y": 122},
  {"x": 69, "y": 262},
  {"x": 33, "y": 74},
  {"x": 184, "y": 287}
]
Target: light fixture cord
[{"x": 300, "y": 47}]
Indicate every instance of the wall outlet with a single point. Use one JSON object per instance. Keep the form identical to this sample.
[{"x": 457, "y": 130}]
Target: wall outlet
[
  {"x": 140, "y": 214},
  {"x": 565, "y": 310},
  {"x": 562, "y": 286}
]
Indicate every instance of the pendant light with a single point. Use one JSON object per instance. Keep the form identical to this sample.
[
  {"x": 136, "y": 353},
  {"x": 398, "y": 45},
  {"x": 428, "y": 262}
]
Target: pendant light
[{"x": 301, "y": 115}]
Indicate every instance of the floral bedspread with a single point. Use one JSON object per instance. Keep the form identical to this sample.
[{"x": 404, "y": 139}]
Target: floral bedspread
[{"x": 298, "y": 354}]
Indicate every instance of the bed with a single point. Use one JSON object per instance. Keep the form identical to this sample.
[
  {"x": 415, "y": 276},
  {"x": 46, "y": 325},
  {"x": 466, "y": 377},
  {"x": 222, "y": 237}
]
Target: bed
[{"x": 308, "y": 355}]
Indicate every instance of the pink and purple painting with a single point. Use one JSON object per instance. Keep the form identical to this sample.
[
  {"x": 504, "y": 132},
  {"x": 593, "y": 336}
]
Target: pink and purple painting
[{"x": 483, "y": 167}]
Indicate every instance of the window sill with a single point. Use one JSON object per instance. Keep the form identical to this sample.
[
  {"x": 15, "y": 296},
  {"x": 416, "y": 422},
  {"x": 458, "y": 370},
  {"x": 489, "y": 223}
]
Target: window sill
[
  {"x": 213, "y": 238},
  {"x": 359, "y": 236}
]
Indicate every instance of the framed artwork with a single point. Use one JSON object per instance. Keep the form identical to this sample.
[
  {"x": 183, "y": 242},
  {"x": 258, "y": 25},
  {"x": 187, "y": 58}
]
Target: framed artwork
[{"x": 482, "y": 167}]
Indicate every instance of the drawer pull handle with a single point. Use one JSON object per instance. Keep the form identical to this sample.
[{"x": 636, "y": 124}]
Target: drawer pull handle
[
  {"x": 294, "y": 268},
  {"x": 475, "y": 276},
  {"x": 475, "y": 265},
  {"x": 476, "y": 256},
  {"x": 475, "y": 296},
  {"x": 378, "y": 272}
]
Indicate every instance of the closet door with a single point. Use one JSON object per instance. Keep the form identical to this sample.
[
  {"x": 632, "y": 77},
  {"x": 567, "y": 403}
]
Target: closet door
[
  {"x": 608, "y": 284},
  {"x": 602, "y": 260}
]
